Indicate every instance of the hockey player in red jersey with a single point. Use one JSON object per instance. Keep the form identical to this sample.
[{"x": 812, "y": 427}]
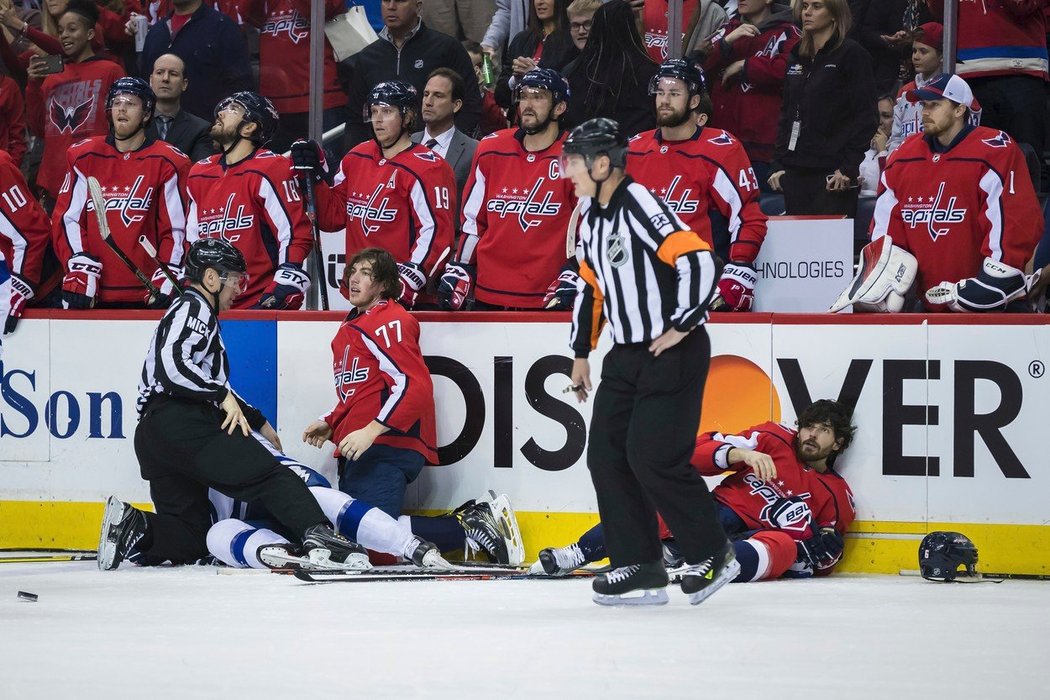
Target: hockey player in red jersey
[
  {"x": 24, "y": 236},
  {"x": 782, "y": 504},
  {"x": 143, "y": 184},
  {"x": 384, "y": 424},
  {"x": 957, "y": 207},
  {"x": 699, "y": 171},
  {"x": 390, "y": 193},
  {"x": 248, "y": 196},
  {"x": 516, "y": 209}
]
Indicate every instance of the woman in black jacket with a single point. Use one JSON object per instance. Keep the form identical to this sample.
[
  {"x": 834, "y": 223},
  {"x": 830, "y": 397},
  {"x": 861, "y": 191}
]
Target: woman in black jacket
[
  {"x": 611, "y": 76},
  {"x": 544, "y": 43},
  {"x": 828, "y": 116}
]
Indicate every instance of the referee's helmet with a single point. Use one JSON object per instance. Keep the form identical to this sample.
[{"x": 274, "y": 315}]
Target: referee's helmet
[
  {"x": 216, "y": 253},
  {"x": 597, "y": 137}
]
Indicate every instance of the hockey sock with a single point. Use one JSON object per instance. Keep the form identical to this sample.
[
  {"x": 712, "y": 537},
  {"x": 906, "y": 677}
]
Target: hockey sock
[
  {"x": 592, "y": 544},
  {"x": 753, "y": 558},
  {"x": 444, "y": 531},
  {"x": 235, "y": 543},
  {"x": 361, "y": 522}
]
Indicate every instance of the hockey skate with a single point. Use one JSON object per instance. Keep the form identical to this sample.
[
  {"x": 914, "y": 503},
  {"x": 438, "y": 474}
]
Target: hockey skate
[
  {"x": 322, "y": 549},
  {"x": 122, "y": 528},
  {"x": 426, "y": 555},
  {"x": 558, "y": 561},
  {"x": 635, "y": 584},
  {"x": 701, "y": 580},
  {"x": 492, "y": 526}
]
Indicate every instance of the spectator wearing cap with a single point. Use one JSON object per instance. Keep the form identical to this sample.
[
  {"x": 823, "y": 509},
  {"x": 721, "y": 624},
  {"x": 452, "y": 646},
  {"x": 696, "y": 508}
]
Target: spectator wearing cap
[
  {"x": 171, "y": 123},
  {"x": 828, "y": 114},
  {"x": 1002, "y": 54}
]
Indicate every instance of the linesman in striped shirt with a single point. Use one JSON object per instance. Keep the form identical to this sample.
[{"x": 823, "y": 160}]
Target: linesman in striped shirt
[
  {"x": 652, "y": 280},
  {"x": 194, "y": 432}
]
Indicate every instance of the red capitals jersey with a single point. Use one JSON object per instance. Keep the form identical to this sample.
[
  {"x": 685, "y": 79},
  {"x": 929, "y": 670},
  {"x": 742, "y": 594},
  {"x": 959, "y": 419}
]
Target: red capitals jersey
[
  {"x": 144, "y": 192},
  {"x": 654, "y": 20},
  {"x": 406, "y": 205},
  {"x": 380, "y": 375},
  {"x": 24, "y": 227},
  {"x": 255, "y": 205},
  {"x": 709, "y": 171},
  {"x": 952, "y": 210},
  {"x": 824, "y": 499},
  {"x": 516, "y": 209},
  {"x": 284, "y": 53},
  {"x": 68, "y": 107}
]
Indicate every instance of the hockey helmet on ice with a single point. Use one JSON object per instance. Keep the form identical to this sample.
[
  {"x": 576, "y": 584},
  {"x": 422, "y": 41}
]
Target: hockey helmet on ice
[{"x": 942, "y": 553}]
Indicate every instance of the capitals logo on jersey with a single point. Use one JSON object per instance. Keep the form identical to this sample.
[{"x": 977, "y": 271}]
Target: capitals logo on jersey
[
  {"x": 372, "y": 209},
  {"x": 656, "y": 41},
  {"x": 678, "y": 200},
  {"x": 221, "y": 221},
  {"x": 932, "y": 210},
  {"x": 346, "y": 376},
  {"x": 526, "y": 203},
  {"x": 71, "y": 109},
  {"x": 129, "y": 201},
  {"x": 1000, "y": 141},
  {"x": 288, "y": 22}
]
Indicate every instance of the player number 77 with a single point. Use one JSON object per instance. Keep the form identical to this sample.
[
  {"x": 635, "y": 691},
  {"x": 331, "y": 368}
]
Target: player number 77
[{"x": 382, "y": 332}]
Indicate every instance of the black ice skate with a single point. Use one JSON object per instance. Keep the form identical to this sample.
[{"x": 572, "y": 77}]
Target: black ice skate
[
  {"x": 427, "y": 555},
  {"x": 340, "y": 549},
  {"x": 492, "y": 526},
  {"x": 122, "y": 528},
  {"x": 559, "y": 561},
  {"x": 636, "y": 584},
  {"x": 699, "y": 581}
]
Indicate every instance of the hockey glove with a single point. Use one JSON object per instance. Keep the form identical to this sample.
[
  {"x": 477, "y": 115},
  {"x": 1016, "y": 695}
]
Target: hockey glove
[
  {"x": 80, "y": 285},
  {"x": 287, "y": 290},
  {"x": 823, "y": 550},
  {"x": 308, "y": 159},
  {"x": 456, "y": 286},
  {"x": 167, "y": 290},
  {"x": 21, "y": 292},
  {"x": 792, "y": 514},
  {"x": 736, "y": 288},
  {"x": 994, "y": 287},
  {"x": 561, "y": 294},
  {"x": 412, "y": 281}
]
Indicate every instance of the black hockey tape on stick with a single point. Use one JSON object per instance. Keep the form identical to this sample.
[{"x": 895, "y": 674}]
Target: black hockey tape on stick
[
  {"x": 152, "y": 252},
  {"x": 99, "y": 204},
  {"x": 311, "y": 212}
]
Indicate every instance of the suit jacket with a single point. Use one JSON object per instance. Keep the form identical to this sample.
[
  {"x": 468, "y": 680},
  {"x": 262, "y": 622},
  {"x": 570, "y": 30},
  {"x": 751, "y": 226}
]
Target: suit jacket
[
  {"x": 460, "y": 155},
  {"x": 189, "y": 134}
]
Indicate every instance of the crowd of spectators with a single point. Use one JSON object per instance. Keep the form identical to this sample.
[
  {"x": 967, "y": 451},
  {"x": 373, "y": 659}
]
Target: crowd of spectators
[{"x": 814, "y": 90}]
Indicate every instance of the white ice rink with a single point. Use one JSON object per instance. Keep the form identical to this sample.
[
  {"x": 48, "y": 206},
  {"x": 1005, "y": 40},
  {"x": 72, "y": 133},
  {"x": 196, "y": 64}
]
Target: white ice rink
[{"x": 189, "y": 633}]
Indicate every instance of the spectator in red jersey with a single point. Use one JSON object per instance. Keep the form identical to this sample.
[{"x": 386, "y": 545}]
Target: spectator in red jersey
[
  {"x": 12, "y": 119},
  {"x": 784, "y": 507},
  {"x": 544, "y": 43},
  {"x": 700, "y": 19},
  {"x": 109, "y": 40},
  {"x": 746, "y": 61},
  {"x": 284, "y": 66},
  {"x": 69, "y": 106},
  {"x": 493, "y": 118}
]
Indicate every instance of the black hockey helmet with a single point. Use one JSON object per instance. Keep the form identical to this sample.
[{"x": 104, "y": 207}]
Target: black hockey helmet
[
  {"x": 133, "y": 86},
  {"x": 258, "y": 110},
  {"x": 596, "y": 137},
  {"x": 681, "y": 69},
  {"x": 216, "y": 253},
  {"x": 942, "y": 553},
  {"x": 392, "y": 93},
  {"x": 544, "y": 79}
]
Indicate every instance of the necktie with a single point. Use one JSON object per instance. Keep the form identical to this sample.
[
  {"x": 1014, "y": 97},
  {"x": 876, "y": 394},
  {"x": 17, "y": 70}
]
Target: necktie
[
  {"x": 163, "y": 124},
  {"x": 431, "y": 144}
]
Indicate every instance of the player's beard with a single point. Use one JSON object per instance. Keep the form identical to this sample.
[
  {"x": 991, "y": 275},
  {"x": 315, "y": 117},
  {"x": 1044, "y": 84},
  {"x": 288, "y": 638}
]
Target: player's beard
[
  {"x": 675, "y": 119},
  {"x": 222, "y": 136},
  {"x": 540, "y": 127},
  {"x": 811, "y": 452}
]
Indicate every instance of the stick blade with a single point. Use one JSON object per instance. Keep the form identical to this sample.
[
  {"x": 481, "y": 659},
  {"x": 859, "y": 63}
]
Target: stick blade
[{"x": 99, "y": 204}]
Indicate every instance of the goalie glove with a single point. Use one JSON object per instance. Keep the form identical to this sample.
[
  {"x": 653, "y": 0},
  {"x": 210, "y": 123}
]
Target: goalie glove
[
  {"x": 80, "y": 285},
  {"x": 823, "y": 550},
  {"x": 287, "y": 290},
  {"x": 994, "y": 287},
  {"x": 883, "y": 280},
  {"x": 736, "y": 288},
  {"x": 21, "y": 292},
  {"x": 412, "y": 281},
  {"x": 561, "y": 294},
  {"x": 456, "y": 286}
]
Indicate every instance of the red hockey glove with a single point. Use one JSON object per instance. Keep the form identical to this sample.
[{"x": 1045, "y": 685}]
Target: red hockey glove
[
  {"x": 80, "y": 285},
  {"x": 561, "y": 294},
  {"x": 412, "y": 281},
  {"x": 21, "y": 292},
  {"x": 736, "y": 288},
  {"x": 456, "y": 286}
]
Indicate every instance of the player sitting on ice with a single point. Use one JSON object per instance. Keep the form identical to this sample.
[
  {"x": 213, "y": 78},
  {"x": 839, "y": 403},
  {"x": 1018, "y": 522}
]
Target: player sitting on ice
[
  {"x": 784, "y": 507},
  {"x": 956, "y": 215}
]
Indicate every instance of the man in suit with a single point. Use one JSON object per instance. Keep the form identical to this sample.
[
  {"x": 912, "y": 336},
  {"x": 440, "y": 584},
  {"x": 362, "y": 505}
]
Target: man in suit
[
  {"x": 442, "y": 99},
  {"x": 184, "y": 131}
]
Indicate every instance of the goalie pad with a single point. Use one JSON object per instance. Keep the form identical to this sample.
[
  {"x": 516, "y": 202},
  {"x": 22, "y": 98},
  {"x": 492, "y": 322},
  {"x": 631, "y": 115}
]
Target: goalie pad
[
  {"x": 886, "y": 274},
  {"x": 995, "y": 286}
]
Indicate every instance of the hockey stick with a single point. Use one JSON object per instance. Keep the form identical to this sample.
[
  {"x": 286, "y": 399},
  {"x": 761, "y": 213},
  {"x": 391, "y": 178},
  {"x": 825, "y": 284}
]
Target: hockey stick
[
  {"x": 311, "y": 212},
  {"x": 99, "y": 204},
  {"x": 44, "y": 555},
  {"x": 570, "y": 233},
  {"x": 152, "y": 252},
  {"x": 995, "y": 577}
]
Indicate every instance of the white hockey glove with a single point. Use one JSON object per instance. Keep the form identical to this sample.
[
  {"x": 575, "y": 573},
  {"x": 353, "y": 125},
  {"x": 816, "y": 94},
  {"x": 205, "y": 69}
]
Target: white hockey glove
[
  {"x": 287, "y": 290},
  {"x": 886, "y": 274},
  {"x": 412, "y": 282},
  {"x": 995, "y": 286},
  {"x": 736, "y": 288}
]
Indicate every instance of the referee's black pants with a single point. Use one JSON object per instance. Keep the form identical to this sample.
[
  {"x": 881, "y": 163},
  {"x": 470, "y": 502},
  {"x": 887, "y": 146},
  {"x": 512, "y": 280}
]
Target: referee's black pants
[
  {"x": 643, "y": 432},
  {"x": 182, "y": 451}
]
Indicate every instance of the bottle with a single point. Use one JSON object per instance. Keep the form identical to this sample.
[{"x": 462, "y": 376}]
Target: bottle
[{"x": 488, "y": 73}]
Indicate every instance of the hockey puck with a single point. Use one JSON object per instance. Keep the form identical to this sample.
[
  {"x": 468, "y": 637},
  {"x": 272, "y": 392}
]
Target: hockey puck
[{"x": 31, "y": 597}]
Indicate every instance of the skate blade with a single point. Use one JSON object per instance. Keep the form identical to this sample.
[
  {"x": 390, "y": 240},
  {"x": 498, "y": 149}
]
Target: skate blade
[
  {"x": 106, "y": 546},
  {"x": 509, "y": 526},
  {"x": 728, "y": 574},
  {"x": 649, "y": 596}
]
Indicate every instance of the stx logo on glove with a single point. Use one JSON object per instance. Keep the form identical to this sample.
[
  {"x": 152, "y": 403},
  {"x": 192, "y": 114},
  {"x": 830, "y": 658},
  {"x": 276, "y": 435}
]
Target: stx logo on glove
[
  {"x": 131, "y": 205},
  {"x": 504, "y": 205}
]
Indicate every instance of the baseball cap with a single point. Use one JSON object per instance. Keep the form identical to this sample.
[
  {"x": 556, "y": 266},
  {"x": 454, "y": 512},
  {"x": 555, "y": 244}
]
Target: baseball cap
[
  {"x": 947, "y": 86},
  {"x": 931, "y": 34}
]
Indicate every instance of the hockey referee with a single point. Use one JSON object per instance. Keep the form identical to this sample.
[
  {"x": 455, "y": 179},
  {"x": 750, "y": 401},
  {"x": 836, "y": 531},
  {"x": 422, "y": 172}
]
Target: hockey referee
[
  {"x": 194, "y": 433},
  {"x": 652, "y": 280}
]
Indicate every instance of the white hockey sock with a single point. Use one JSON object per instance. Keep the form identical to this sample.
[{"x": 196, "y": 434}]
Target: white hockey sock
[
  {"x": 362, "y": 523},
  {"x": 235, "y": 542}
]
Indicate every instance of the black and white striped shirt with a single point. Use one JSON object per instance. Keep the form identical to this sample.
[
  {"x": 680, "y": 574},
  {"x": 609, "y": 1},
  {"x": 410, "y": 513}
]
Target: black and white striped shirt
[
  {"x": 186, "y": 357},
  {"x": 640, "y": 268}
]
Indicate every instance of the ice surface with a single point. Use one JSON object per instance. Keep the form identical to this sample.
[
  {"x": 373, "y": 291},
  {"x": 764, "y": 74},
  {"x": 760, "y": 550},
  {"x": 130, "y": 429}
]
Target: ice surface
[{"x": 189, "y": 633}]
